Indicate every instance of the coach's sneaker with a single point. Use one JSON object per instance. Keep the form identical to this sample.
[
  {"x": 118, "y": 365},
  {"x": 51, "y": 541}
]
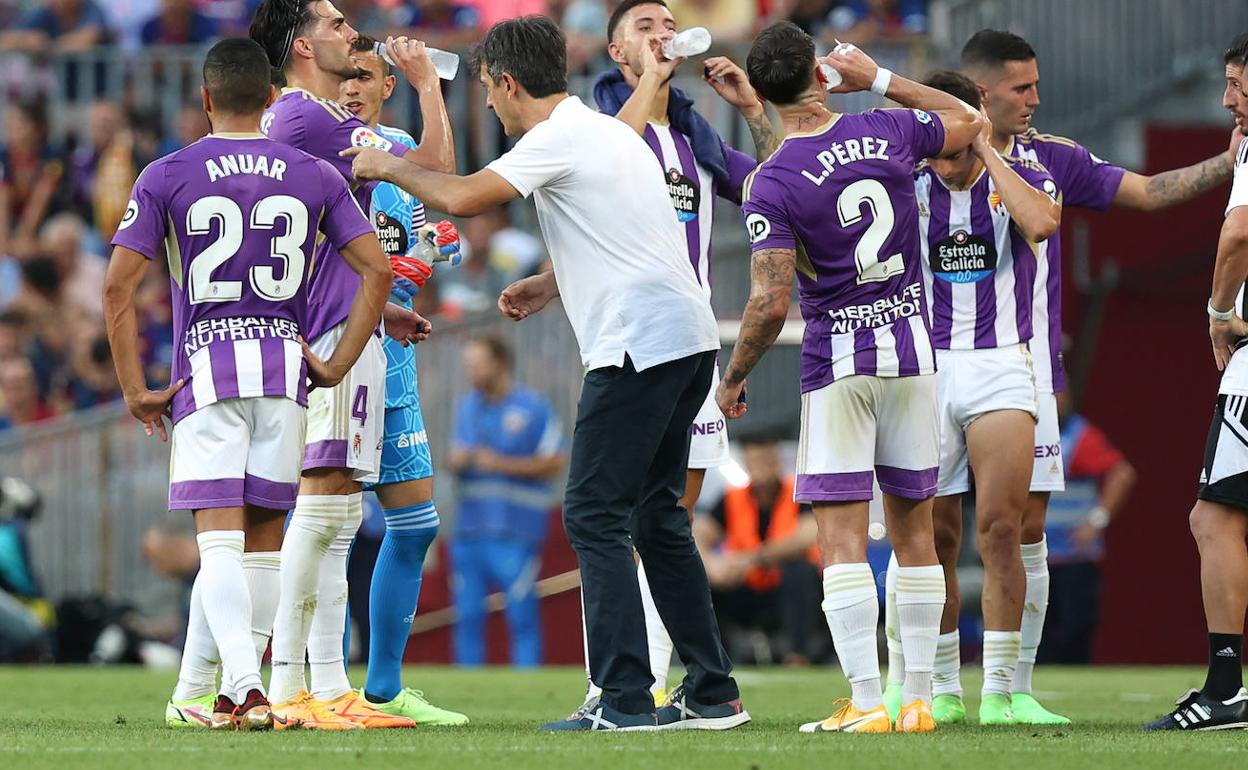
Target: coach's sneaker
[
  {"x": 682, "y": 713},
  {"x": 915, "y": 717},
  {"x": 994, "y": 709},
  {"x": 254, "y": 713},
  {"x": 596, "y": 715},
  {"x": 892, "y": 700},
  {"x": 1196, "y": 711},
  {"x": 310, "y": 714},
  {"x": 848, "y": 719},
  {"x": 223, "y": 714},
  {"x": 1028, "y": 711},
  {"x": 411, "y": 704},
  {"x": 196, "y": 712},
  {"x": 948, "y": 709},
  {"x": 353, "y": 706}
]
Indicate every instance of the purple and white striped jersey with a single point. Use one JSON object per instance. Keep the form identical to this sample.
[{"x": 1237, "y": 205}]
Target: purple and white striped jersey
[
  {"x": 979, "y": 270},
  {"x": 694, "y": 190},
  {"x": 322, "y": 129},
  {"x": 1083, "y": 181},
  {"x": 238, "y": 216},
  {"x": 843, "y": 197}
]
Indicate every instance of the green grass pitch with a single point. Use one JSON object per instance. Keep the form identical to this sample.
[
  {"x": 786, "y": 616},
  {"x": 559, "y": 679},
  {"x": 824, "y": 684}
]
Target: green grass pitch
[{"x": 112, "y": 718}]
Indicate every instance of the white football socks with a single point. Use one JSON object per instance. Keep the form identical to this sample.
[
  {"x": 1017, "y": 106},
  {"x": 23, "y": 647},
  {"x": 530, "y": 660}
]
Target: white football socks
[
  {"x": 892, "y": 625},
  {"x": 227, "y": 608},
  {"x": 197, "y": 676},
  {"x": 657, "y": 638},
  {"x": 853, "y": 611},
  {"x": 947, "y": 671},
  {"x": 1035, "y": 605},
  {"x": 920, "y": 603},
  {"x": 261, "y": 570},
  {"x": 313, "y": 527},
  {"x": 325, "y": 650},
  {"x": 1000, "y": 658}
]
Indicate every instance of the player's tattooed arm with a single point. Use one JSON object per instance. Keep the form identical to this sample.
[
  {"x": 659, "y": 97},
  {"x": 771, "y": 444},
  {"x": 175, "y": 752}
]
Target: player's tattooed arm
[
  {"x": 766, "y": 140},
  {"x": 728, "y": 80},
  {"x": 1170, "y": 188},
  {"x": 772, "y": 272}
]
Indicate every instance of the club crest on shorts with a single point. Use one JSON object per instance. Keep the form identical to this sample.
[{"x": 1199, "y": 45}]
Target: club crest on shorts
[{"x": 357, "y": 444}]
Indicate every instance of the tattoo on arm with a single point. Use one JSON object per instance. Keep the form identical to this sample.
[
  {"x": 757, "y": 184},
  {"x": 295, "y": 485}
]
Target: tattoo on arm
[
  {"x": 772, "y": 272},
  {"x": 1182, "y": 184},
  {"x": 766, "y": 140}
]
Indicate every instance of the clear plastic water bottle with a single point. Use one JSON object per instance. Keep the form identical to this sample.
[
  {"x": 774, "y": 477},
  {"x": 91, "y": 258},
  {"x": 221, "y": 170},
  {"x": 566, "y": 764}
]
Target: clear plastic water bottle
[
  {"x": 690, "y": 42},
  {"x": 445, "y": 62},
  {"x": 831, "y": 77}
]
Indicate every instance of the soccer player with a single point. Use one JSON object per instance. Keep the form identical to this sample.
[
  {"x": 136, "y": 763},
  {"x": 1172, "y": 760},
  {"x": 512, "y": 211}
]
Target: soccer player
[
  {"x": 239, "y": 216},
  {"x": 309, "y": 42},
  {"x": 1004, "y": 68},
  {"x": 648, "y": 340},
  {"x": 405, "y": 485},
  {"x": 983, "y": 222},
  {"x": 1219, "y": 520},
  {"x": 835, "y": 205},
  {"x": 699, "y": 167}
]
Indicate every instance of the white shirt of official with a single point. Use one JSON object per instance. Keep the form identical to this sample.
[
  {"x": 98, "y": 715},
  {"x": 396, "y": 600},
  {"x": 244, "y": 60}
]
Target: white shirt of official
[
  {"x": 1235, "y": 378},
  {"x": 619, "y": 251}
]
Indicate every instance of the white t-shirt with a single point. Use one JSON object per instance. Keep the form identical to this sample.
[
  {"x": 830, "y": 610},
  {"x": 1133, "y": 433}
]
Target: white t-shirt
[
  {"x": 1235, "y": 378},
  {"x": 619, "y": 251}
]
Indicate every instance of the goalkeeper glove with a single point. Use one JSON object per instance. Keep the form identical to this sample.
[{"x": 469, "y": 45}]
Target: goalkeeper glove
[{"x": 438, "y": 242}]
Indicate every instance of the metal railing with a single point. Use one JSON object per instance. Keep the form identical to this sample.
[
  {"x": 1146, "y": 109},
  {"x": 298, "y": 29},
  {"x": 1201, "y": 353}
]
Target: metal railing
[{"x": 1099, "y": 59}]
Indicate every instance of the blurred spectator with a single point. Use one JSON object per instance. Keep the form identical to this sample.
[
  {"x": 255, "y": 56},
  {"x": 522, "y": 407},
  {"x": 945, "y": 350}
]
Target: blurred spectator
[
  {"x": 585, "y": 24},
  {"x": 490, "y": 12},
  {"x": 93, "y": 378},
  {"x": 30, "y": 173},
  {"x": 132, "y": 147},
  {"x": 179, "y": 22},
  {"x": 865, "y": 21},
  {"x": 445, "y": 24},
  {"x": 233, "y": 17},
  {"x": 191, "y": 126},
  {"x": 57, "y": 26},
  {"x": 759, "y": 550},
  {"x": 155, "y": 312},
  {"x": 728, "y": 22},
  {"x": 19, "y": 395},
  {"x": 813, "y": 16},
  {"x": 507, "y": 445},
  {"x": 24, "y": 615},
  {"x": 12, "y": 328},
  {"x": 1098, "y": 482},
  {"x": 126, "y": 19},
  {"x": 81, "y": 273},
  {"x": 105, "y": 120},
  {"x": 495, "y": 254}
]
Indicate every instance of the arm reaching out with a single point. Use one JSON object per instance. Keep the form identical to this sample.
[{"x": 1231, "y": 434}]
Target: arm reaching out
[
  {"x": 1170, "y": 188},
  {"x": 437, "y": 145},
  {"x": 459, "y": 196}
]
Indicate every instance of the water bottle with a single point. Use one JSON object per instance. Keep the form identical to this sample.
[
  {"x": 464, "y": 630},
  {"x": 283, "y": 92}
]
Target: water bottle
[
  {"x": 831, "y": 77},
  {"x": 445, "y": 62},
  {"x": 690, "y": 42}
]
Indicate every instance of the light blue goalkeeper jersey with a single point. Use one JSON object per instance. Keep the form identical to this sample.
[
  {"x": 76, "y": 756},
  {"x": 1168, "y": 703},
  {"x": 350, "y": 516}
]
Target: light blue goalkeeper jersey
[{"x": 396, "y": 214}]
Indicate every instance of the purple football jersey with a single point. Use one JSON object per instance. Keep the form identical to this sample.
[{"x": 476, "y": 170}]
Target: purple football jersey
[
  {"x": 843, "y": 197},
  {"x": 238, "y": 217},
  {"x": 1085, "y": 181},
  {"x": 323, "y": 128},
  {"x": 979, "y": 270}
]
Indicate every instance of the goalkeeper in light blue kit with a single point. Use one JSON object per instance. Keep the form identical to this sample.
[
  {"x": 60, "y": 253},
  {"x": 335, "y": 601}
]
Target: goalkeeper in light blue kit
[{"x": 405, "y": 487}]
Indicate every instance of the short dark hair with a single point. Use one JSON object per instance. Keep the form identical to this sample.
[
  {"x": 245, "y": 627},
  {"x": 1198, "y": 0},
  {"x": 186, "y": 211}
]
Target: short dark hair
[
  {"x": 1238, "y": 52},
  {"x": 955, "y": 83},
  {"x": 498, "y": 349},
  {"x": 276, "y": 24},
  {"x": 237, "y": 76},
  {"x": 365, "y": 44},
  {"x": 993, "y": 48},
  {"x": 781, "y": 62},
  {"x": 531, "y": 49},
  {"x": 618, "y": 14}
]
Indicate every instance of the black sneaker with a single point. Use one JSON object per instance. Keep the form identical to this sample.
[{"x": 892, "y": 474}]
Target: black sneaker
[
  {"x": 682, "y": 713},
  {"x": 1195, "y": 711},
  {"x": 596, "y": 715}
]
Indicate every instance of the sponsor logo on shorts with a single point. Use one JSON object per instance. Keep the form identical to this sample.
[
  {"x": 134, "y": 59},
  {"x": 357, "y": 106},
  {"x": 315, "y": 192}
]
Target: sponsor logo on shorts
[
  {"x": 415, "y": 438},
  {"x": 708, "y": 428},
  {"x": 1049, "y": 450}
]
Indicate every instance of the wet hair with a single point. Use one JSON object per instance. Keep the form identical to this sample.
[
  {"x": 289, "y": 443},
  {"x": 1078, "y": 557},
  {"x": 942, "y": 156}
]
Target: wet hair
[
  {"x": 780, "y": 62},
  {"x": 237, "y": 76},
  {"x": 531, "y": 49},
  {"x": 276, "y": 24}
]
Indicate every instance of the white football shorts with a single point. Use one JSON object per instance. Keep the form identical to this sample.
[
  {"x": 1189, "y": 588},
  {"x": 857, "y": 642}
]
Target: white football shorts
[
  {"x": 708, "y": 447},
  {"x": 1048, "y": 474},
  {"x": 346, "y": 423}
]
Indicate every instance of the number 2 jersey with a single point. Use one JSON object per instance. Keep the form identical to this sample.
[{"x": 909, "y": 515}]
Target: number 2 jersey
[
  {"x": 239, "y": 217},
  {"x": 843, "y": 197}
]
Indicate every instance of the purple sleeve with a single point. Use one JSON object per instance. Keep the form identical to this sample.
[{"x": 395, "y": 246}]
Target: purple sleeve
[
  {"x": 1085, "y": 180},
  {"x": 330, "y": 129},
  {"x": 766, "y": 216},
  {"x": 740, "y": 166},
  {"x": 1038, "y": 177},
  {"x": 145, "y": 224},
  {"x": 921, "y": 133},
  {"x": 344, "y": 220}
]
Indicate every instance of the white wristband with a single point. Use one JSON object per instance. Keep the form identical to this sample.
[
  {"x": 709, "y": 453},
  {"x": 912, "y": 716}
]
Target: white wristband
[
  {"x": 883, "y": 76},
  {"x": 1220, "y": 315}
]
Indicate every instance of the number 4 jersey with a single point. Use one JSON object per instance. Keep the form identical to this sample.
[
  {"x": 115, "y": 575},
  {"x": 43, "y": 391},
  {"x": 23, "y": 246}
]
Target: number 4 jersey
[
  {"x": 843, "y": 197},
  {"x": 238, "y": 216}
]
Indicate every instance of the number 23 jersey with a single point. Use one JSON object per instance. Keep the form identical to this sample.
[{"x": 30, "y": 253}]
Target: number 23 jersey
[
  {"x": 843, "y": 197},
  {"x": 239, "y": 217}
]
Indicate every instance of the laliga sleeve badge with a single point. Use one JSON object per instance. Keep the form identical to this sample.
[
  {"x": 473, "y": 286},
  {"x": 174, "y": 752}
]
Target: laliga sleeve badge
[
  {"x": 922, "y": 117},
  {"x": 365, "y": 137}
]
